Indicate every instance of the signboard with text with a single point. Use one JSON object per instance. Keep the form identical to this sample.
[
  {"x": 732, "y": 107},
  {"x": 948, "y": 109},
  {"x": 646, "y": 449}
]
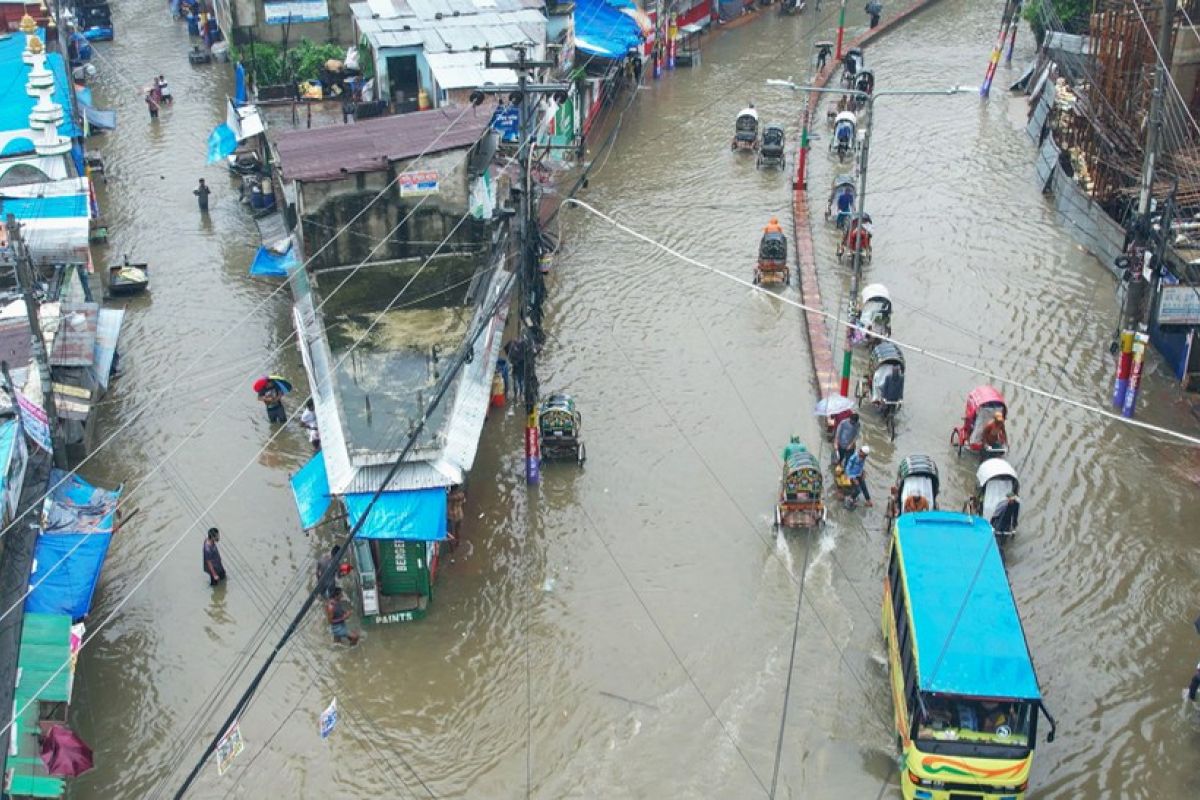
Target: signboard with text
[
  {"x": 507, "y": 122},
  {"x": 414, "y": 184},
  {"x": 281, "y": 12},
  {"x": 1179, "y": 305},
  {"x": 36, "y": 423}
]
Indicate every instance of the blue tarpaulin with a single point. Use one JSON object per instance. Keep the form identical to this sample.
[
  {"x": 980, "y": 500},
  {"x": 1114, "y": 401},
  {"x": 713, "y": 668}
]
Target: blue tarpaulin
[
  {"x": 418, "y": 515},
  {"x": 71, "y": 549},
  {"x": 239, "y": 82},
  {"x": 221, "y": 142},
  {"x": 310, "y": 487},
  {"x": 272, "y": 264},
  {"x": 601, "y": 30},
  {"x": 50, "y": 207}
]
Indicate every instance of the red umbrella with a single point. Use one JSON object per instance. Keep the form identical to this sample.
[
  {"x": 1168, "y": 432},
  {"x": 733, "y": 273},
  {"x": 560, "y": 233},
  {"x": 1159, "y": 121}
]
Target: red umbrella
[
  {"x": 260, "y": 385},
  {"x": 64, "y": 753}
]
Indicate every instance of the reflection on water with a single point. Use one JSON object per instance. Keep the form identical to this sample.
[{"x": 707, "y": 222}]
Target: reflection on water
[{"x": 625, "y": 629}]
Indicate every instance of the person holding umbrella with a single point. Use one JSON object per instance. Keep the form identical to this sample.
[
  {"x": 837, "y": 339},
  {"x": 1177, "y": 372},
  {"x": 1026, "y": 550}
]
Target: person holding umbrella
[{"x": 270, "y": 390}]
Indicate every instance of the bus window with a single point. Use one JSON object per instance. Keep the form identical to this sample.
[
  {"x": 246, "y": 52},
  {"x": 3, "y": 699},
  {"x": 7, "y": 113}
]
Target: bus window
[{"x": 981, "y": 727}]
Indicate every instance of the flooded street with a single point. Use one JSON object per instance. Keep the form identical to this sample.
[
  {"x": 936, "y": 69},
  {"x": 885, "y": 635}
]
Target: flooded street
[{"x": 625, "y": 630}]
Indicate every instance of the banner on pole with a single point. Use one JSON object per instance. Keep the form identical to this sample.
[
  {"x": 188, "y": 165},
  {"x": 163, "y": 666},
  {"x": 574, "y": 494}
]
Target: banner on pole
[
  {"x": 229, "y": 747},
  {"x": 329, "y": 718},
  {"x": 35, "y": 422}
]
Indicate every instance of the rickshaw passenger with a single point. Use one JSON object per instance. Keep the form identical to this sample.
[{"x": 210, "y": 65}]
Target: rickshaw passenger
[
  {"x": 857, "y": 237},
  {"x": 1004, "y": 520},
  {"x": 916, "y": 502},
  {"x": 892, "y": 390},
  {"x": 793, "y": 447},
  {"x": 845, "y": 206},
  {"x": 772, "y": 227},
  {"x": 994, "y": 434}
]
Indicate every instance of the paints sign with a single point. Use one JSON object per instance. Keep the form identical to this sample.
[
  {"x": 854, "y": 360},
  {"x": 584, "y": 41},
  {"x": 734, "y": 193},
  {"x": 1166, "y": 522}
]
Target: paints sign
[{"x": 416, "y": 184}]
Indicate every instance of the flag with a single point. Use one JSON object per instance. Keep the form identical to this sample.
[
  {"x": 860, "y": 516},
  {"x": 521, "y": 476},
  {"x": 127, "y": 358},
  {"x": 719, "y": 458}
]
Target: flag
[
  {"x": 329, "y": 718},
  {"x": 221, "y": 143}
]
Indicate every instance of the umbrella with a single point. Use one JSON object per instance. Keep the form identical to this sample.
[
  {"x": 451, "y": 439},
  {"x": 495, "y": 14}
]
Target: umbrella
[
  {"x": 282, "y": 384},
  {"x": 832, "y": 405},
  {"x": 64, "y": 753}
]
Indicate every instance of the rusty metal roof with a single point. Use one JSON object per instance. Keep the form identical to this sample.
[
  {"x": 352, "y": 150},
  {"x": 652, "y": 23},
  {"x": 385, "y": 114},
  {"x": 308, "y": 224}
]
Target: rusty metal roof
[
  {"x": 15, "y": 342},
  {"x": 332, "y": 153}
]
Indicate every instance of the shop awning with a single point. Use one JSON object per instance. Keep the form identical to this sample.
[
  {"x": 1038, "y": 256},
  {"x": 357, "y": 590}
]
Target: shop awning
[
  {"x": 310, "y": 487},
  {"x": 70, "y": 552},
  {"x": 418, "y": 515}
]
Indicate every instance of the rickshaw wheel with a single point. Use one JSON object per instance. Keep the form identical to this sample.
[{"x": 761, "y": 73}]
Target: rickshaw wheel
[
  {"x": 757, "y": 277},
  {"x": 778, "y": 523},
  {"x": 582, "y": 455},
  {"x": 891, "y": 425}
]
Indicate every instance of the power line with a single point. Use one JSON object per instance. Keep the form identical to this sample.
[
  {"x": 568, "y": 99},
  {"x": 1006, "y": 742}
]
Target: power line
[
  {"x": 157, "y": 395},
  {"x": 932, "y": 354}
]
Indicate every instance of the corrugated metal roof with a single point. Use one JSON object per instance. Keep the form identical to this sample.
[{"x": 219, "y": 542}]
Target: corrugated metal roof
[
  {"x": 15, "y": 341},
  {"x": 418, "y": 475},
  {"x": 464, "y": 70},
  {"x": 326, "y": 154}
]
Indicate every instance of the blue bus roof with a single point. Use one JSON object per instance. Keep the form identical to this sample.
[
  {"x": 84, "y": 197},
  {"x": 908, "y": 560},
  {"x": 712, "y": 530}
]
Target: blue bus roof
[{"x": 951, "y": 562}]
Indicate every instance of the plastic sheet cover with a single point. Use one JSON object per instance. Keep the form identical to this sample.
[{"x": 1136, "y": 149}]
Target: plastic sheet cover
[
  {"x": 418, "y": 515},
  {"x": 310, "y": 487},
  {"x": 78, "y": 521}
]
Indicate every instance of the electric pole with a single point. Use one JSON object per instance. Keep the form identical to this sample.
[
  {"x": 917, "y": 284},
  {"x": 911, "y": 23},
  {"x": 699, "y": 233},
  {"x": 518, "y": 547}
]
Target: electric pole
[
  {"x": 1142, "y": 271},
  {"x": 531, "y": 287}
]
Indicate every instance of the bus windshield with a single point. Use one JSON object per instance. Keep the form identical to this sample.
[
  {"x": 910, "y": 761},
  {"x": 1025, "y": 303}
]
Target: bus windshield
[{"x": 980, "y": 727}]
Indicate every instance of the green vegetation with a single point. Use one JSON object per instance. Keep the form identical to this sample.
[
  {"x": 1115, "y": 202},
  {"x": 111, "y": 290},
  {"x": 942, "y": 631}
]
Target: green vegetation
[
  {"x": 1075, "y": 16},
  {"x": 304, "y": 61}
]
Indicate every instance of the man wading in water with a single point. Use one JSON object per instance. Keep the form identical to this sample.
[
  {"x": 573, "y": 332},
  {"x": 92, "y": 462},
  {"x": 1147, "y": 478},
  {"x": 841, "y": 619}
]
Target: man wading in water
[{"x": 337, "y": 611}]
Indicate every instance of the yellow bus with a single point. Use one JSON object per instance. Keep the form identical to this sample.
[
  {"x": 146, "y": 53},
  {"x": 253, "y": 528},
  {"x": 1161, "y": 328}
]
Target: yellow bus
[{"x": 964, "y": 689}]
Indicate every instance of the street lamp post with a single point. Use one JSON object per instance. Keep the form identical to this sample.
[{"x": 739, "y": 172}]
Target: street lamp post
[{"x": 861, "y": 198}]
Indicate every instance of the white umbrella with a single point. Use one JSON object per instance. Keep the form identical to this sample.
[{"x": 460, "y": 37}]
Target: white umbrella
[{"x": 832, "y": 406}]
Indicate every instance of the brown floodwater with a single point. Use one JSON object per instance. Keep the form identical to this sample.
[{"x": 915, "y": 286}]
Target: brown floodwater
[{"x": 624, "y": 629}]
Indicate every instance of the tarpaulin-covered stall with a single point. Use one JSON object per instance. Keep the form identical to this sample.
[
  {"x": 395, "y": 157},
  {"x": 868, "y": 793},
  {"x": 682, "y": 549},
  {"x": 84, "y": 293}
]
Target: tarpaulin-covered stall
[{"x": 77, "y": 527}]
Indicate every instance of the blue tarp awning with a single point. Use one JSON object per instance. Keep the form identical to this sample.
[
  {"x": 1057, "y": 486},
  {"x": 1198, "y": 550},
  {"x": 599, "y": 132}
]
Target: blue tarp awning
[
  {"x": 418, "y": 515},
  {"x": 968, "y": 635},
  {"x": 271, "y": 264},
  {"x": 604, "y": 31},
  {"x": 70, "y": 551},
  {"x": 63, "y": 206},
  {"x": 310, "y": 487}
]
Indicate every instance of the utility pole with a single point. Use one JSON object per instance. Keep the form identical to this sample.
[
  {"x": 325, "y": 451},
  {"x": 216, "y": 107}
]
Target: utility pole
[
  {"x": 1142, "y": 279},
  {"x": 861, "y": 198},
  {"x": 24, "y": 274},
  {"x": 530, "y": 285}
]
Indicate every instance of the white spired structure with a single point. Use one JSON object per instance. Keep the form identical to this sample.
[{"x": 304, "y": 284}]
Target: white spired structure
[{"x": 46, "y": 115}]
